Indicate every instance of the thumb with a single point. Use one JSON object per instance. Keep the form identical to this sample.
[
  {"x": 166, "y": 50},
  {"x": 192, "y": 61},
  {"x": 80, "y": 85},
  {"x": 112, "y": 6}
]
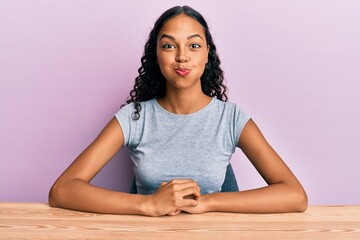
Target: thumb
[{"x": 193, "y": 202}]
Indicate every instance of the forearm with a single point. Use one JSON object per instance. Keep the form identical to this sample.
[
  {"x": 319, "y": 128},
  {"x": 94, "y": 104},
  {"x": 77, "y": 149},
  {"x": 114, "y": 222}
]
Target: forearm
[
  {"x": 77, "y": 194},
  {"x": 271, "y": 199}
]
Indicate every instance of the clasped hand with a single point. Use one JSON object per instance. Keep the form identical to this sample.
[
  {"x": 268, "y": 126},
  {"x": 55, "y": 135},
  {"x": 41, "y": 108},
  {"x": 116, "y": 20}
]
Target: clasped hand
[{"x": 175, "y": 196}]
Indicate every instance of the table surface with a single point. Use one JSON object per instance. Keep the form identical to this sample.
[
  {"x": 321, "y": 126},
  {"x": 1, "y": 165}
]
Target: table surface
[{"x": 39, "y": 221}]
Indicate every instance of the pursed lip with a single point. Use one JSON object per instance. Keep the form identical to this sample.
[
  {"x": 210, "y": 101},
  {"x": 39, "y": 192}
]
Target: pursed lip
[{"x": 182, "y": 71}]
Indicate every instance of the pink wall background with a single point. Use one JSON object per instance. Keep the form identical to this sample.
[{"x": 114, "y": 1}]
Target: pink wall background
[{"x": 67, "y": 66}]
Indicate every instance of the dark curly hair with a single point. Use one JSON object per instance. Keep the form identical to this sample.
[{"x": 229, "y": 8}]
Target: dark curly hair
[{"x": 151, "y": 83}]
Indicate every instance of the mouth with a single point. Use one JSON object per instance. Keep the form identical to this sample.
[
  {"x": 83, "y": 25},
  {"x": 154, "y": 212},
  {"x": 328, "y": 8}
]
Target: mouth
[{"x": 182, "y": 71}]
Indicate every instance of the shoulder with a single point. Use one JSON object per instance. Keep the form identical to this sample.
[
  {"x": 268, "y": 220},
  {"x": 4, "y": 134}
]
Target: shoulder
[
  {"x": 232, "y": 111},
  {"x": 130, "y": 123},
  {"x": 130, "y": 108},
  {"x": 223, "y": 104},
  {"x": 227, "y": 107}
]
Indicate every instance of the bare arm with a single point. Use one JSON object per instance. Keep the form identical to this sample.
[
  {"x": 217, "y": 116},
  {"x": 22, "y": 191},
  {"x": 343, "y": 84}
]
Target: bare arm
[
  {"x": 72, "y": 189},
  {"x": 284, "y": 193}
]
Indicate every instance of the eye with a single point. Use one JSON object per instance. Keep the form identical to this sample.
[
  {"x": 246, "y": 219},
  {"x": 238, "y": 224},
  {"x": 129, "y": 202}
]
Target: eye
[
  {"x": 168, "y": 45},
  {"x": 195, "y": 45}
]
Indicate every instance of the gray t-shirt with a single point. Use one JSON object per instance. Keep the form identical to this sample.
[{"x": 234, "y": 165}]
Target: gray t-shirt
[{"x": 197, "y": 146}]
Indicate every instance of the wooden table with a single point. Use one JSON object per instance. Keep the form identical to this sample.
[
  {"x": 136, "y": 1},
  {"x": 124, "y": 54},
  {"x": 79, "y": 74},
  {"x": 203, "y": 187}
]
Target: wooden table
[{"x": 39, "y": 221}]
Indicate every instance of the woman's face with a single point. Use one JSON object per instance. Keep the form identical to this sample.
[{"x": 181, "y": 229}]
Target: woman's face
[{"x": 182, "y": 52}]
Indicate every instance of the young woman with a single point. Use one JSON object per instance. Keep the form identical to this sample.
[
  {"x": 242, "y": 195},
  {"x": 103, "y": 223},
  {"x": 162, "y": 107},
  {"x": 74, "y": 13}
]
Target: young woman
[{"x": 181, "y": 133}]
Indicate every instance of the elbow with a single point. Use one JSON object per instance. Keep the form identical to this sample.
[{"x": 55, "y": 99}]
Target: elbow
[
  {"x": 300, "y": 201},
  {"x": 295, "y": 199},
  {"x": 55, "y": 194},
  {"x": 303, "y": 203}
]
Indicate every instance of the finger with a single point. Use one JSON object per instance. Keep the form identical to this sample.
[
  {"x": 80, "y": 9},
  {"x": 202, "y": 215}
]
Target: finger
[
  {"x": 177, "y": 186},
  {"x": 187, "y": 202},
  {"x": 163, "y": 183},
  {"x": 191, "y": 191},
  {"x": 175, "y": 212},
  {"x": 197, "y": 191}
]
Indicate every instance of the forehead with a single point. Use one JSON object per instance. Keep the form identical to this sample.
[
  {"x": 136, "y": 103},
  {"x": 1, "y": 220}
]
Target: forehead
[{"x": 182, "y": 24}]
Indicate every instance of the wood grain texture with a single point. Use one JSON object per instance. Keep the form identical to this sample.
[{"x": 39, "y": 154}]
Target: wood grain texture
[{"x": 39, "y": 221}]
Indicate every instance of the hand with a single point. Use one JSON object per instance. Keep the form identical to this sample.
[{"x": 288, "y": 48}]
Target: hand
[
  {"x": 170, "y": 197},
  {"x": 201, "y": 207},
  {"x": 177, "y": 211}
]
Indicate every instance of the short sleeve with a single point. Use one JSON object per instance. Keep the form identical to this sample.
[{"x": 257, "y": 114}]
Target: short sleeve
[
  {"x": 125, "y": 120},
  {"x": 240, "y": 120}
]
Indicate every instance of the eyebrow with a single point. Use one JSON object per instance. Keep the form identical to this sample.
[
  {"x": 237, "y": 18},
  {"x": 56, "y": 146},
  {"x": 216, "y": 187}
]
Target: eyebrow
[{"x": 172, "y": 38}]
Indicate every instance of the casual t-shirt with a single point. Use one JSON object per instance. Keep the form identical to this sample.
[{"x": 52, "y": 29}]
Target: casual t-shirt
[{"x": 166, "y": 146}]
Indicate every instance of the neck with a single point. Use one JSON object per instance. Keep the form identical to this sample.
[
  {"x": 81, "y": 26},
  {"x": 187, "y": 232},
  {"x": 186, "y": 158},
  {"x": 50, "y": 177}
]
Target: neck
[{"x": 184, "y": 102}]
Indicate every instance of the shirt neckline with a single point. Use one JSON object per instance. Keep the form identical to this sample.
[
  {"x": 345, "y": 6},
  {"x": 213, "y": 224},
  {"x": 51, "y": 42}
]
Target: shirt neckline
[{"x": 156, "y": 103}]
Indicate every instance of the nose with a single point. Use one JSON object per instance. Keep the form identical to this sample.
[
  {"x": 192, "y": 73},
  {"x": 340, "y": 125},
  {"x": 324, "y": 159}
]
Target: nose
[{"x": 181, "y": 57}]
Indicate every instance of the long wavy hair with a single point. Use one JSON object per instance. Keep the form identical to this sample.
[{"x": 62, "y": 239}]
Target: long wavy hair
[{"x": 150, "y": 83}]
